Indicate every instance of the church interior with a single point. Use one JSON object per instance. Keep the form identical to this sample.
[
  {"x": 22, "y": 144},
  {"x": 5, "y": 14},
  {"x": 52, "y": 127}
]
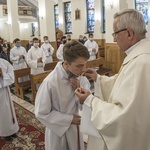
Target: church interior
[{"x": 29, "y": 19}]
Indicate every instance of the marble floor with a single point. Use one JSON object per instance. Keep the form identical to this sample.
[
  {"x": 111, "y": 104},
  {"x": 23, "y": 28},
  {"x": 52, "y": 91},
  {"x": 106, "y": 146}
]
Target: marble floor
[{"x": 23, "y": 103}]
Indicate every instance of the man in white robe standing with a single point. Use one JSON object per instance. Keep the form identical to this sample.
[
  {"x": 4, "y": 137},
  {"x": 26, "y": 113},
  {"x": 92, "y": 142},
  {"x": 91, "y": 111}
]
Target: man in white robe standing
[
  {"x": 59, "y": 53},
  {"x": 18, "y": 56},
  {"x": 8, "y": 122},
  {"x": 56, "y": 104},
  {"x": 120, "y": 109},
  {"x": 36, "y": 58},
  {"x": 92, "y": 47},
  {"x": 47, "y": 49}
]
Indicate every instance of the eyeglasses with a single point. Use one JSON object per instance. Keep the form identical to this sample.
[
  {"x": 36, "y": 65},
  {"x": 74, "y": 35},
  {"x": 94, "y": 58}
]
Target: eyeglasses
[{"x": 115, "y": 33}]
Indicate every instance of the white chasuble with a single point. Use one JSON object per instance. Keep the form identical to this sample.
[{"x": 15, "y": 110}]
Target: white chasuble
[{"x": 120, "y": 112}]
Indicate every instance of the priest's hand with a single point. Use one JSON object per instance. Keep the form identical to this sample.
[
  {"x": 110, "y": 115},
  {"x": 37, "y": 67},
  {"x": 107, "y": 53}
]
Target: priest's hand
[
  {"x": 82, "y": 94},
  {"x": 74, "y": 82},
  {"x": 1, "y": 73},
  {"x": 76, "y": 120},
  {"x": 91, "y": 73}
]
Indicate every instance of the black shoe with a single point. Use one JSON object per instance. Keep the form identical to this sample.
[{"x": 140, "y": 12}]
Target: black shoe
[
  {"x": 14, "y": 135},
  {"x": 8, "y": 138}
]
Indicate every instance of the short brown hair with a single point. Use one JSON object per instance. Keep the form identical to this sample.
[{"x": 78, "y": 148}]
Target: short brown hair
[
  {"x": 45, "y": 37},
  {"x": 35, "y": 39},
  {"x": 73, "y": 50},
  {"x": 16, "y": 40}
]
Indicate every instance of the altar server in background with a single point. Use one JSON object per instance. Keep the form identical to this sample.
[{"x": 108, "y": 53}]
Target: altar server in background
[{"x": 8, "y": 122}]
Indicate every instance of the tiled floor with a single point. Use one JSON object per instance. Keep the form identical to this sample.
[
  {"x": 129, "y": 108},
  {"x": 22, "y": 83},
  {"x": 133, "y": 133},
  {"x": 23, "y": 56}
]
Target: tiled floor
[{"x": 23, "y": 103}]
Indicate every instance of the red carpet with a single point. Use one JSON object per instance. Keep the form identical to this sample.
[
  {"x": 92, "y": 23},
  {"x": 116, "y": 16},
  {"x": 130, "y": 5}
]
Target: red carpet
[{"x": 30, "y": 135}]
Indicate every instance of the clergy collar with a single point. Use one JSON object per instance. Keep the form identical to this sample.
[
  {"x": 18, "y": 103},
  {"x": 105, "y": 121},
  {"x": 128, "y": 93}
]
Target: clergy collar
[
  {"x": 142, "y": 47},
  {"x": 132, "y": 47}
]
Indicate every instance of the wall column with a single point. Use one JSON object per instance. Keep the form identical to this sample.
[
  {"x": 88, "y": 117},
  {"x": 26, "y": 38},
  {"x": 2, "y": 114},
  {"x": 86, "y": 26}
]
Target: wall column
[
  {"x": 13, "y": 21},
  {"x": 46, "y": 19}
]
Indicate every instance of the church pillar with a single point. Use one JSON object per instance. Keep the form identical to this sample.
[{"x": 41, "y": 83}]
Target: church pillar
[
  {"x": 111, "y": 7},
  {"x": 98, "y": 29},
  {"x": 46, "y": 19},
  {"x": 13, "y": 21}
]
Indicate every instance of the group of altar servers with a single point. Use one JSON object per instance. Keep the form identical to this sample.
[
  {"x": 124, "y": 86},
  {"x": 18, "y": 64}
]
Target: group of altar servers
[{"x": 115, "y": 117}]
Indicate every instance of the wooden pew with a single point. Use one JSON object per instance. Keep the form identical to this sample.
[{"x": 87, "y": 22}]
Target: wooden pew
[
  {"x": 21, "y": 87},
  {"x": 37, "y": 79},
  {"x": 98, "y": 65},
  {"x": 50, "y": 66},
  {"x": 99, "y": 62}
]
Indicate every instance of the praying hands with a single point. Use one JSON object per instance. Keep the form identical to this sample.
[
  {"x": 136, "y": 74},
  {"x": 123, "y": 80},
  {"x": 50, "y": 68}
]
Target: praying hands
[{"x": 1, "y": 72}]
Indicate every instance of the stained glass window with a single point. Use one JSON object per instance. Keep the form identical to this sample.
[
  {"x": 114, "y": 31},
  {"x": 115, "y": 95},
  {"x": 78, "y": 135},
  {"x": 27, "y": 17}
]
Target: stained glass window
[
  {"x": 68, "y": 23},
  {"x": 103, "y": 21},
  {"x": 90, "y": 16},
  {"x": 142, "y": 6},
  {"x": 56, "y": 16}
]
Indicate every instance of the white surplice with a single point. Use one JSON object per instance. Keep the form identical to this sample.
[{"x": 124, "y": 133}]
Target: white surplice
[
  {"x": 8, "y": 121},
  {"x": 59, "y": 53},
  {"x": 120, "y": 112},
  {"x": 90, "y": 45},
  {"x": 55, "y": 105},
  {"x": 49, "y": 54},
  {"x": 19, "y": 63},
  {"x": 32, "y": 57}
]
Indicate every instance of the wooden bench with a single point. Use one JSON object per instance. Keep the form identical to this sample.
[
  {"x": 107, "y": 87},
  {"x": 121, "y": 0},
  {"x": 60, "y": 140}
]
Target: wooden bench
[
  {"x": 98, "y": 65},
  {"x": 50, "y": 66},
  {"x": 101, "y": 52},
  {"x": 21, "y": 87},
  {"x": 37, "y": 79}
]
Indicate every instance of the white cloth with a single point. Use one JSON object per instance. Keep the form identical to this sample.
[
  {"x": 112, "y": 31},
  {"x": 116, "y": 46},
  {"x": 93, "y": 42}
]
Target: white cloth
[
  {"x": 45, "y": 47},
  {"x": 32, "y": 57},
  {"x": 59, "y": 53},
  {"x": 7, "y": 112},
  {"x": 90, "y": 45},
  {"x": 120, "y": 112},
  {"x": 15, "y": 52},
  {"x": 55, "y": 105}
]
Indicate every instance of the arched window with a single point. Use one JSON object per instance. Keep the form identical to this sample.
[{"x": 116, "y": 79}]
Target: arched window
[
  {"x": 56, "y": 16},
  {"x": 90, "y": 15},
  {"x": 142, "y": 6},
  {"x": 68, "y": 23}
]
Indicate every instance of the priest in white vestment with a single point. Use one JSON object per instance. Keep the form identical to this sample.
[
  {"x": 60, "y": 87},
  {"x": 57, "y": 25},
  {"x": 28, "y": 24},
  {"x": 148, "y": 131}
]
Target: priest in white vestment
[
  {"x": 118, "y": 114},
  {"x": 18, "y": 56},
  {"x": 92, "y": 47},
  {"x": 47, "y": 49},
  {"x": 8, "y": 121},
  {"x": 36, "y": 58},
  {"x": 56, "y": 104}
]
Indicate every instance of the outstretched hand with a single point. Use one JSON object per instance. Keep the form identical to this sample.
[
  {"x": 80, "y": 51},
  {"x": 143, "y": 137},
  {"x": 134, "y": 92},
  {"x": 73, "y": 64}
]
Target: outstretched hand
[
  {"x": 91, "y": 73},
  {"x": 82, "y": 94}
]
